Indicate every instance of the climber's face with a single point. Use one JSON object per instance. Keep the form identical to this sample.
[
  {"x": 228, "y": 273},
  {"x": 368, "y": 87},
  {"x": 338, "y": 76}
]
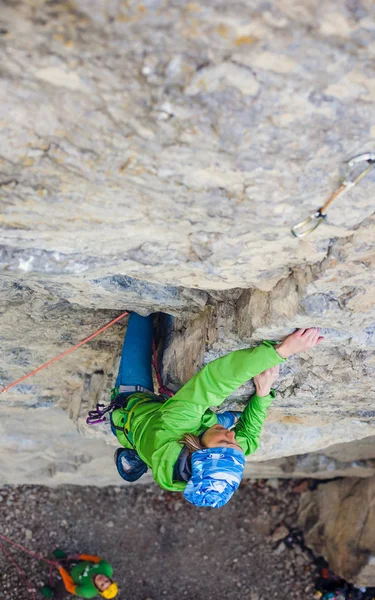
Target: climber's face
[
  {"x": 218, "y": 436},
  {"x": 102, "y": 582}
]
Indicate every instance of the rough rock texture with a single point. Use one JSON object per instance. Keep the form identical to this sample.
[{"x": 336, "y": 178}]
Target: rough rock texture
[
  {"x": 338, "y": 519},
  {"x": 353, "y": 459},
  {"x": 154, "y": 156}
]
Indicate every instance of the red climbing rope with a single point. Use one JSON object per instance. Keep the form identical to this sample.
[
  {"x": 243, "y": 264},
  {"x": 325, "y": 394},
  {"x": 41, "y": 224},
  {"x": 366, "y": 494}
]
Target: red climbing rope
[
  {"x": 20, "y": 571},
  {"x": 33, "y": 554},
  {"x": 164, "y": 390},
  {"x": 64, "y": 353}
]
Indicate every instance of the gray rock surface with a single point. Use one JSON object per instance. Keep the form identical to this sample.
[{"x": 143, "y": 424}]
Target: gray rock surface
[
  {"x": 352, "y": 459},
  {"x": 338, "y": 520},
  {"x": 154, "y": 156}
]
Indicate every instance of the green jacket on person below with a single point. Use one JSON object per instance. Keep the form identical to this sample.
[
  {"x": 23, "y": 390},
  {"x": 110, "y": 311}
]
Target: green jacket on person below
[
  {"x": 83, "y": 573},
  {"x": 156, "y": 427},
  {"x": 80, "y": 581}
]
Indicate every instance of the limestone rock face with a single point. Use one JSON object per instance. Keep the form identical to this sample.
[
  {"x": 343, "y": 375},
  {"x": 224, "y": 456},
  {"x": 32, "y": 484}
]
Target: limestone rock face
[
  {"x": 351, "y": 459},
  {"x": 339, "y": 522},
  {"x": 154, "y": 157}
]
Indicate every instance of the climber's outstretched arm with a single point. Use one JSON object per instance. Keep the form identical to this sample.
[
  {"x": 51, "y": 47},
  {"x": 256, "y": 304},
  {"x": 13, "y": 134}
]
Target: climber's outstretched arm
[
  {"x": 249, "y": 426},
  {"x": 220, "y": 378},
  {"x": 214, "y": 383}
]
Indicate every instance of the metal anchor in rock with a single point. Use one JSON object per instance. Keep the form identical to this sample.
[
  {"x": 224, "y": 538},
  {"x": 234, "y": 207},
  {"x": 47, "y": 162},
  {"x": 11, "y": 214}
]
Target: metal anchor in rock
[{"x": 305, "y": 227}]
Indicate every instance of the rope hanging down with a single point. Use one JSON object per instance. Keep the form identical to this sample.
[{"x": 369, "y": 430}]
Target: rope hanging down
[
  {"x": 163, "y": 389},
  {"x": 91, "y": 337},
  {"x": 29, "y": 585}
]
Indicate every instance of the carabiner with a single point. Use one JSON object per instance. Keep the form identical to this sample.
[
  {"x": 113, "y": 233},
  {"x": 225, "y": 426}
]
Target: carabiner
[
  {"x": 97, "y": 414},
  {"x": 308, "y": 225},
  {"x": 364, "y": 157}
]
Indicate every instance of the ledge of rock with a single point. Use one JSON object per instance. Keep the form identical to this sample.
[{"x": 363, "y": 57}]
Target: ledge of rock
[
  {"x": 157, "y": 157},
  {"x": 338, "y": 520},
  {"x": 352, "y": 459}
]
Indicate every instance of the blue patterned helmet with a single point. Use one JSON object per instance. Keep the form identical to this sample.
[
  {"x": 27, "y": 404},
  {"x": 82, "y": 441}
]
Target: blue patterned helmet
[{"x": 216, "y": 474}]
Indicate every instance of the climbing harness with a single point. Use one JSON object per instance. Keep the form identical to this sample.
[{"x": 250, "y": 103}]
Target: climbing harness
[
  {"x": 130, "y": 406},
  {"x": 305, "y": 227},
  {"x": 98, "y": 414},
  {"x": 91, "y": 337},
  {"x": 29, "y": 586}
]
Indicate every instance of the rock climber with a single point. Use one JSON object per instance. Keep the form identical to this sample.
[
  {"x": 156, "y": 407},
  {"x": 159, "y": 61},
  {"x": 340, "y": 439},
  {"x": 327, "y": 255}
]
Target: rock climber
[
  {"x": 89, "y": 577},
  {"x": 188, "y": 447}
]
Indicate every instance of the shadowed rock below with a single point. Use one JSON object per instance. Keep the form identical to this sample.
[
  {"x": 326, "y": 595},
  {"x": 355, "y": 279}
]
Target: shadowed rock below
[{"x": 338, "y": 520}]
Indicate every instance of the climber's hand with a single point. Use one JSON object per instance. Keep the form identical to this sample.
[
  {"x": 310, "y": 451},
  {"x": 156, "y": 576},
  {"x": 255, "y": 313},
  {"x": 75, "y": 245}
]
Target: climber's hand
[
  {"x": 299, "y": 341},
  {"x": 264, "y": 381}
]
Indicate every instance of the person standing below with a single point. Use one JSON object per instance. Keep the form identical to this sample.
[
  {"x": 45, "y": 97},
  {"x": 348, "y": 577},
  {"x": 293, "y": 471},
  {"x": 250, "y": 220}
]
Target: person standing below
[{"x": 89, "y": 577}]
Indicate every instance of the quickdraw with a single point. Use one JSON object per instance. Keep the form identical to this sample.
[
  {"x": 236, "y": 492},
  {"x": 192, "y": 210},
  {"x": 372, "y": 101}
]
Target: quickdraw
[{"x": 305, "y": 227}]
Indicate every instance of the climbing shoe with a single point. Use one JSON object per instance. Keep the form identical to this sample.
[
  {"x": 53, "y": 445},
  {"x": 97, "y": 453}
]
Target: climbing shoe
[
  {"x": 47, "y": 591},
  {"x": 129, "y": 465}
]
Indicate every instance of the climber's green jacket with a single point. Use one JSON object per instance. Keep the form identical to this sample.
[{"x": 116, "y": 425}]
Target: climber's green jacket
[
  {"x": 155, "y": 428},
  {"x": 80, "y": 580}
]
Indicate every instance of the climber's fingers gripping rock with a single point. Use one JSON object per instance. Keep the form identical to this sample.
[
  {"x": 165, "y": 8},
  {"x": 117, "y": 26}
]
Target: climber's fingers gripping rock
[
  {"x": 299, "y": 341},
  {"x": 264, "y": 381}
]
